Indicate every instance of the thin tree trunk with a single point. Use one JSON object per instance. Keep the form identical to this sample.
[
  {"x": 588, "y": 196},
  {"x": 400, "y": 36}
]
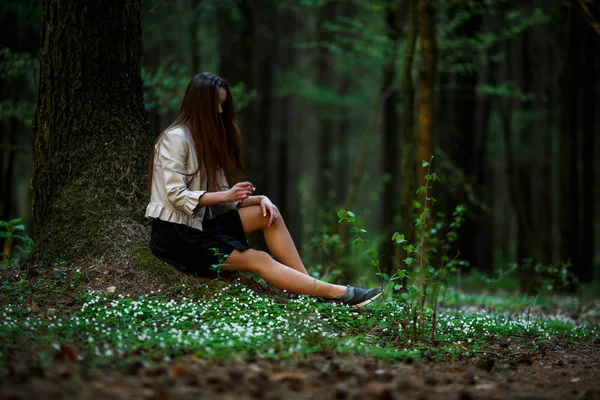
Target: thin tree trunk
[
  {"x": 464, "y": 114},
  {"x": 237, "y": 52},
  {"x": 569, "y": 85},
  {"x": 341, "y": 175},
  {"x": 7, "y": 175},
  {"x": 518, "y": 186},
  {"x": 588, "y": 50},
  {"x": 427, "y": 73},
  {"x": 359, "y": 168},
  {"x": 391, "y": 132},
  {"x": 263, "y": 66},
  {"x": 408, "y": 127},
  {"x": 194, "y": 45},
  {"x": 91, "y": 134},
  {"x": 325, "y": 80}
]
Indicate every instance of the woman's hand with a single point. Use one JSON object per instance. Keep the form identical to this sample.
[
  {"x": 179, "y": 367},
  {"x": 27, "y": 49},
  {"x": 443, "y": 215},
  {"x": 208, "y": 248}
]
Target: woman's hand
[
  {"x": 239, "y": 191},
  {"x": 267, "y": 207}
]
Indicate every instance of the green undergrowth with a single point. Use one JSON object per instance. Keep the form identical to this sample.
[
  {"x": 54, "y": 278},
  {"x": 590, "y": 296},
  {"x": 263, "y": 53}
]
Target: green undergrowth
[
  {"x": 502, "y": 300},
  {"x": 229, "y": 321}
]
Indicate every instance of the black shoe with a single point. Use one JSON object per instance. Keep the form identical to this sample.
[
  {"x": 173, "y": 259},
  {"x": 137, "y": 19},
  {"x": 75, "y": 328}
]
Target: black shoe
[{"x": 358, "y": 297}]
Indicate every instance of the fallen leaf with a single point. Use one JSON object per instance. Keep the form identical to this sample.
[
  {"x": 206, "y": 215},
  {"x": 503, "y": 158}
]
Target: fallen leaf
[
  {"x": 177, "y": 370},
  {"x": 67, "y": 353}
]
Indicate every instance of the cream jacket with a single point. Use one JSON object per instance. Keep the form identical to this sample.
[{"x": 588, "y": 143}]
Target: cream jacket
[{"x": 177, "y": 184}]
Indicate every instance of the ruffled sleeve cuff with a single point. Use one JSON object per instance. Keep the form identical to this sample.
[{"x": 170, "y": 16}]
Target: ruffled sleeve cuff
[{"x": 192, "y": 198}]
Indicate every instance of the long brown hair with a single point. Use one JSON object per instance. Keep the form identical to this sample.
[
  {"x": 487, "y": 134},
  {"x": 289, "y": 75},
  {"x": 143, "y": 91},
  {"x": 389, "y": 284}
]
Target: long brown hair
[{"x": 216, "y": 137}]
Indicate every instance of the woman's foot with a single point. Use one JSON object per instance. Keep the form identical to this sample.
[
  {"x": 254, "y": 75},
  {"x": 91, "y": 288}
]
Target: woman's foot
[{"x": 358, "y": 297}]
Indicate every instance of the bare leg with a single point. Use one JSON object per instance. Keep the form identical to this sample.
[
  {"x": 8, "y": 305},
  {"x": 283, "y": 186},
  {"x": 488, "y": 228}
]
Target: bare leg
[
  {"x": 279, "y": 275},
  {"x": 277, "y": 236}
]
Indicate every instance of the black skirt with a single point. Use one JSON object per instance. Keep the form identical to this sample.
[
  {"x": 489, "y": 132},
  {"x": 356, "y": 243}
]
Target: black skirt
[{"x": 198, "y": 252}]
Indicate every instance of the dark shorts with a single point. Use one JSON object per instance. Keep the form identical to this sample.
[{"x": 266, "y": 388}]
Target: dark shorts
[{"x": 193, "y": 251}]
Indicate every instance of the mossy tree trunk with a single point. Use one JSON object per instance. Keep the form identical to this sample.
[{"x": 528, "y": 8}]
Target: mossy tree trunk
[{"x": 91, "y": 131}]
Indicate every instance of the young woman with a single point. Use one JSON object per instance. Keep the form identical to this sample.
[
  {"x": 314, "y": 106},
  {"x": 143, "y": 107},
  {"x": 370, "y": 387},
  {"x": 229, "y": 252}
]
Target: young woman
[{"x": 200, "y": 221}]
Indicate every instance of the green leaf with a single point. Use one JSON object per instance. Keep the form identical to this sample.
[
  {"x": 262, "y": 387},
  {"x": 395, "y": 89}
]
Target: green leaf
[
  {"x": 350, "y": 213},
  {"x": 408, "y": 260},
  {"x": 398, "y": 238},
  {"x": 398, "y": 287},
  {"x": 425, "y": 163}
]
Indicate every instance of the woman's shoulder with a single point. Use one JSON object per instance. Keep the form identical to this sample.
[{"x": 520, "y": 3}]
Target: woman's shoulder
[{"x": 177, "y": 133}]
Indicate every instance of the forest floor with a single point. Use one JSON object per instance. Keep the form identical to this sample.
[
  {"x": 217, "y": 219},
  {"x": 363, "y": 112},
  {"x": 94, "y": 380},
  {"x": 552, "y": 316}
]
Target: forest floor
[
  {"x": 227, "y": 340},
  {"x": 560, "y": 370}
]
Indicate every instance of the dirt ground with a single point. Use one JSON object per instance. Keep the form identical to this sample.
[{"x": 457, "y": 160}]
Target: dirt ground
[{"x": 559, "y": 370}]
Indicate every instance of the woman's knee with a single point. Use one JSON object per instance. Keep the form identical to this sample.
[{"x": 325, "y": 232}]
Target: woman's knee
[
  {"x": 253, "y": 219},
  {"x": 256, "y": 260}
]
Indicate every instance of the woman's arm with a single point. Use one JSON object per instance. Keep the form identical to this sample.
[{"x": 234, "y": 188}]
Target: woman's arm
[
  {"x": 240, "y": 191},
  {"x": 266, "y": 206},
  {"x": 251, "y": 201}
]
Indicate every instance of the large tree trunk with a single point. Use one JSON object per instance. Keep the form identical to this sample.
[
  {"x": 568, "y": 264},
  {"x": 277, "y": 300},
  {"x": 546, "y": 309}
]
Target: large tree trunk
[
  {"x": 427, "y": 73},
  {"x": 91, "y": 134},
  {"x": 390, "y": 128}
]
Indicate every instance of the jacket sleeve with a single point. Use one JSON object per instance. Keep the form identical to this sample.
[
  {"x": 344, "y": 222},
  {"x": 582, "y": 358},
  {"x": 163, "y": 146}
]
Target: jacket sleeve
[{"x": 173, "y": 154}]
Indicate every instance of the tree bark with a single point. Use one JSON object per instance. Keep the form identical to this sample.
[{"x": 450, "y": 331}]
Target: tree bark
[
  {"x": 91, "y": 133},
  {"x": 588, "y": 50},
  {"x": 467, "y": 151},
  {"x": 391, "y": 131},
  {"x": 237, "y": 64},
  {"x": 569, "y": 84},
  {"x": 325, "y": 80},
  {"x": 6, "y": 184},
  {"x": 408, "y": 125},
  {"x": 194, "y": 45},
  {"x": 427, "y": 73}
]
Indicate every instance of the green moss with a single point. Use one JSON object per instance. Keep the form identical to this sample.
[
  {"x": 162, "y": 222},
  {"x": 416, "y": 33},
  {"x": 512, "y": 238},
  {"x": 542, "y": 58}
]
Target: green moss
[
  {"x": 86, "y": 221},
  {"x": 143, "y": 258}
]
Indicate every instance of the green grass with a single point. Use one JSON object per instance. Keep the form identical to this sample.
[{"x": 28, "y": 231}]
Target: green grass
[
  {"x": 227, "y": 321},
  {"x": 509, "y": 301}
]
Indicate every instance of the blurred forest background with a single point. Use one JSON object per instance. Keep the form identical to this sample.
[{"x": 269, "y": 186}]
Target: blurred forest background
[{"x": 506, "y": 96}]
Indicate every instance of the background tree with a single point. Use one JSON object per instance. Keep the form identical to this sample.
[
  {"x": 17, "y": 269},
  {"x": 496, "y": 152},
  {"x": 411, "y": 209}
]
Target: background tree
[
  {"x": 427, "y": 80},
  {"x": 391, "y": 134},
  {"x": 91, "y": 137}
]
